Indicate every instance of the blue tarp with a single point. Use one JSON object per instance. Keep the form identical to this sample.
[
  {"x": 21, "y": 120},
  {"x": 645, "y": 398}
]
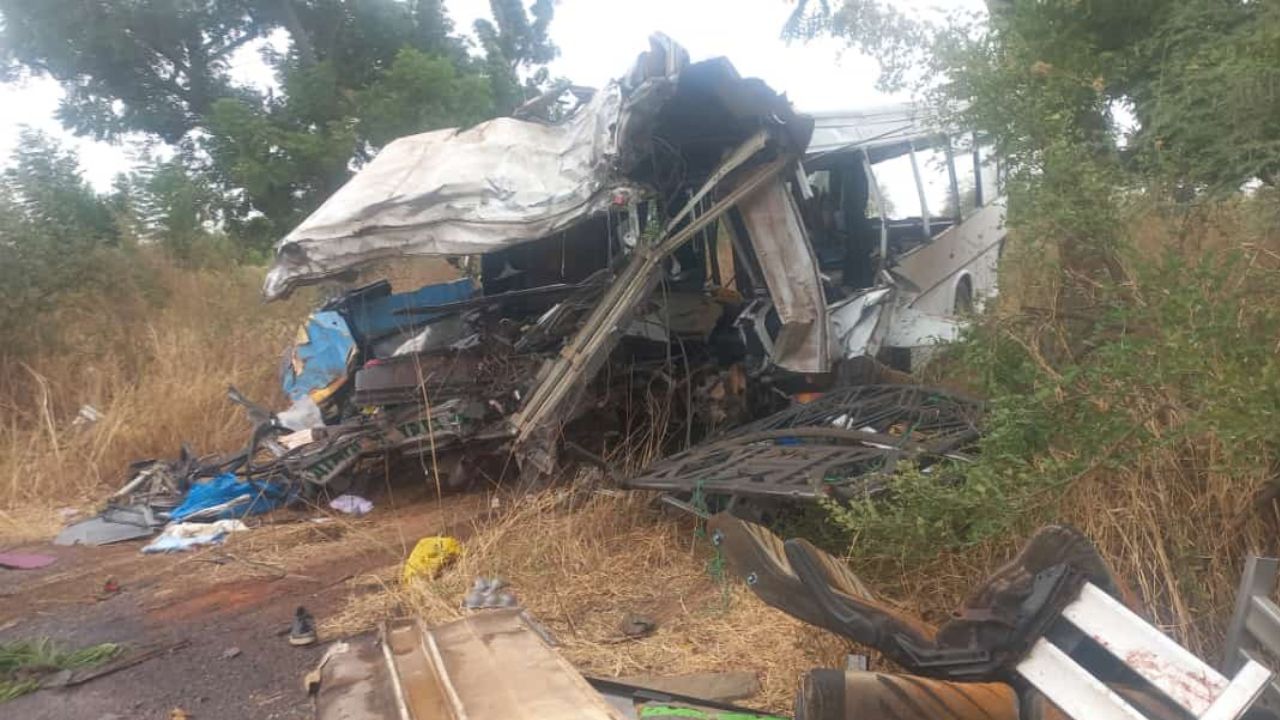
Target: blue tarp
[
  {"x": 373, "y": 317},
  {"x": 321, "y": 358},
  {"x": 257, "y": 496}
]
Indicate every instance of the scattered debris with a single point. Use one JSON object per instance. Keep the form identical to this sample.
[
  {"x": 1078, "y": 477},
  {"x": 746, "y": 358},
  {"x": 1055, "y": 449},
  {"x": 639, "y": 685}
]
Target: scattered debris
[
  {"x": 228, "y": 496},
  {"x": 182, "y": 536},
  {"x": 25, "y": 561},
  {"x": 494, "y": 665},
  {"x": 352, "y": 505},
  {"x": 430, "y": 556},
  {"x": 303, "y": 630},
  {"x": 230, "y": 653},
  {"x": 311, "y": 683},
  {"x": 87, "y": 417},
  {"x": 113, "y": 525},
  {"x": 1010, "y": 631},
  {"x": 488, "y": 593},
  {"x": 110, "y": 588}
]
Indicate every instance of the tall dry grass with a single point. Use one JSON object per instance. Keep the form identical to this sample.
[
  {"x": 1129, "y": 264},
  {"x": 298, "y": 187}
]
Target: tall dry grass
[
  {"x": 155, "y": 356},
  {"x": 156, "y": 363}
]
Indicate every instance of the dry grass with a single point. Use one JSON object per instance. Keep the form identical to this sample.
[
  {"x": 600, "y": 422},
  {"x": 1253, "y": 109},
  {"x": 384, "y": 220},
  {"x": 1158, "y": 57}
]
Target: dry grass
[
  {"x": 581, "y": 562},
  {"x": 158, "y": 371},
  {"x": 156, "y": 361}
]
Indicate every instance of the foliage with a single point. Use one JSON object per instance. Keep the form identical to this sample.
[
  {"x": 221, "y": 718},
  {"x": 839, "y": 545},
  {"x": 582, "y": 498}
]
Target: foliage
[
  {"x": 514, "y": 42},
  {"x": 1130, "y": 362},
  {"x": 357, "y": 74},
  {"x": 152, "y": 66},
  {"x": 24, "y": 662},
  {"x": 53, "y": 229}
]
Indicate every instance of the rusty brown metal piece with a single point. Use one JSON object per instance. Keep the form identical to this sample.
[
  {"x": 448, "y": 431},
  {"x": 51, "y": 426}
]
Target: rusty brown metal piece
[{"x": 840, "y": 695}]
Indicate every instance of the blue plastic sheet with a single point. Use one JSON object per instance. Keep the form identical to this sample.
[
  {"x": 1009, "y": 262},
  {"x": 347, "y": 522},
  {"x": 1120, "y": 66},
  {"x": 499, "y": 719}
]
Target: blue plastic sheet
[
  {"x": 321, "y": 358},
  {"x": 256, "y": 497}
]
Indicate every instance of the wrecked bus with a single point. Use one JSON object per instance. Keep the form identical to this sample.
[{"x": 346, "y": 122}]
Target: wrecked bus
[{"x": 683, "y": 228}]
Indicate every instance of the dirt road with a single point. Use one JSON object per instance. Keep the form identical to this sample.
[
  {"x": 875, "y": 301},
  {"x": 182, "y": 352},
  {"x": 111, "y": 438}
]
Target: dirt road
[{"x": 225, "y": 611}]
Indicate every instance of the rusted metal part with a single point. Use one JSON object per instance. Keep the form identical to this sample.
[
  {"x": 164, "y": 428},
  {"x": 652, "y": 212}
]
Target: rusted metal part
[
  {"x": 841, "y": 695},
  {"x": 841, "y": 445}
]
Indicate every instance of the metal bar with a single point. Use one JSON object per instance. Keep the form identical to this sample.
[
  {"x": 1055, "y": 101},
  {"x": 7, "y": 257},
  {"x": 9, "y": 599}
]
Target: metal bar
[
  {"x": 955, "y": 182},
  {"x": 1259, "y": 579},
  {"x": 924, "y": 204},
  {"x": 880, "y": 209},
  {"x": 1263, "y": 622},
  {"x": 1171, "y": 668},
  {"x": 397, "y": 689},
  {"x": 741, "y": 154},
  {"x": 1076, "y": 692},
  {"x": 1243, "y": 691},
  {"x": 1273, "y": 688}
]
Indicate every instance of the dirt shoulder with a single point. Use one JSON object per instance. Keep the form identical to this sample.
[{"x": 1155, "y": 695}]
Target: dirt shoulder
[{"x": 225, "y": 610}]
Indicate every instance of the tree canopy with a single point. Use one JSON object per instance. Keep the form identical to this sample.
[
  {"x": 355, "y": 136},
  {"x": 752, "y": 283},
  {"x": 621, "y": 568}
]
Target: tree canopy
[{"x": 353, "y": 75}]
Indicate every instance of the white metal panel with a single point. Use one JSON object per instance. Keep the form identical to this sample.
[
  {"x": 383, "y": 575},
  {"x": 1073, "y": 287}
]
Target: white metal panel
[
  {"x": 1244, "y": 689},
  {"x": 792, "y": 275},
  {"x": 1171, "y": 668},
  {"x": 1076, "y": 692},
  {"x": 972, "y": 248},
  {"x": 854, "y": 322}
]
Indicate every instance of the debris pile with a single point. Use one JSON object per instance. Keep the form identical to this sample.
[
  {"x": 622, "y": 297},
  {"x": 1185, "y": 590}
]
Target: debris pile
[{"x": 678, "y": 258}]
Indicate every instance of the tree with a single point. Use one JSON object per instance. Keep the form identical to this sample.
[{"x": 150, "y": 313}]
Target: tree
[
  {"x": 1198, "y": 75},
  {"x": 171, "y": 206},
  {"x": 151, "y": 66},
  {"x": 356, "y": 74},
  {"x": 52, "y": 227},
  {"x": 513, "y": 43}
]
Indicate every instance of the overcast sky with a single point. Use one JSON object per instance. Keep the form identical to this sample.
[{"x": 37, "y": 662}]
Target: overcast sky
[{"x": 598, "y": 40}]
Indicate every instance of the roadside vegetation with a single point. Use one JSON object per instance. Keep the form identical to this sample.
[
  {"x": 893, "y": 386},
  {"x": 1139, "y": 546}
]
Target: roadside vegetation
[
  {"x": 1130, "y": 361},
  {"x": 24, "y": 664}
]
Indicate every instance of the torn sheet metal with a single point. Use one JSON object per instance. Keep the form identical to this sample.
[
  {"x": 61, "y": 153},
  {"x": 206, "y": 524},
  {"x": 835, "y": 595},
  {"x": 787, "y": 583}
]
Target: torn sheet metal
[
  {"x": 559, "y": 384},
  {"x": 484, "y": 188},
  {"x": 375, "y": 313},
  {"x": 791, "y": 273},
  {"x": 910, "y": 328},
  {"x": 855, "y": 322},
  {"x": 883, "y": 132}
]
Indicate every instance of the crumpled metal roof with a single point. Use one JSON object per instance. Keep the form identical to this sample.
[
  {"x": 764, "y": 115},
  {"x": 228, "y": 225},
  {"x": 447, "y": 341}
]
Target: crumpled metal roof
[
  {"x": 483, "y": 188},
  {"x": 884, "y": 131}
]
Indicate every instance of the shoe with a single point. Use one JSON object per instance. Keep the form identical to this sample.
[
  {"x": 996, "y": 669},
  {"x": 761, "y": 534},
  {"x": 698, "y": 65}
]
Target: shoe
[{"x": 303, "y": 631}]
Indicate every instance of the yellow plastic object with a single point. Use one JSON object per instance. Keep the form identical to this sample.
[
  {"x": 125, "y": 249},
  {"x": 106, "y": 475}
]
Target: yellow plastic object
[{"x": 430, "y": 556}]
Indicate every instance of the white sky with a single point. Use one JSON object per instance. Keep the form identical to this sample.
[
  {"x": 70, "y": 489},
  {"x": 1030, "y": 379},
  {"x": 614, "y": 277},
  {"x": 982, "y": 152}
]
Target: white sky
[{"x": 598, "y": 40}]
